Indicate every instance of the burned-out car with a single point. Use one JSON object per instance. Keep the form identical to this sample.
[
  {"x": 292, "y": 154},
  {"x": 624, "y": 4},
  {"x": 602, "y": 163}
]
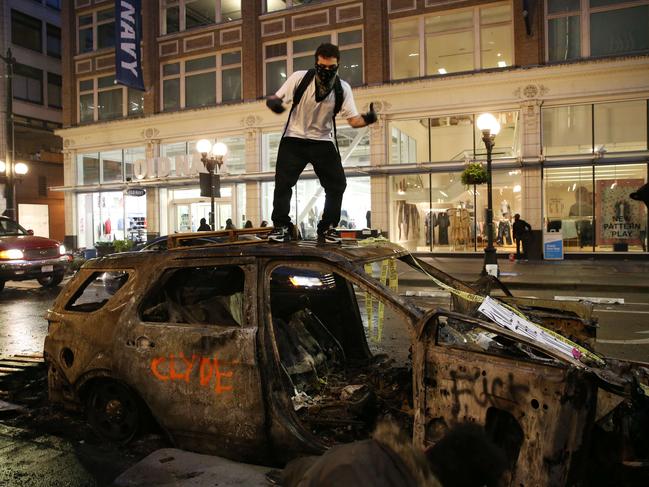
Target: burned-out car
[{"x": 261, "y": 352}]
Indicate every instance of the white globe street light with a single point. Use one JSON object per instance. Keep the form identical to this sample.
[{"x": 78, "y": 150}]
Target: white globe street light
[
  {"x": 219, "y": 149},
  {"x": 487, "y": 122},
  {"x": 3, "y": 166},
  {"x": 203, "y": 146},
  {"x": 21, "y": 168}
]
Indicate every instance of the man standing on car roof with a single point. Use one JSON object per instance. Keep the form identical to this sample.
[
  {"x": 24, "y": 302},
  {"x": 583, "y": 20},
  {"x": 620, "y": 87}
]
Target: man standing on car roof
[{"x": 317, "y": 96}]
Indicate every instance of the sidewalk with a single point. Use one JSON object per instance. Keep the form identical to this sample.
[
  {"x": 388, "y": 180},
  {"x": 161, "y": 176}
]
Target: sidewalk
[{"x": 586, "y": 275}]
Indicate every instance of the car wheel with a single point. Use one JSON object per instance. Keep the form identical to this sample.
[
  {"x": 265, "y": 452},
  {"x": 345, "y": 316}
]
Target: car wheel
[
  {"x": 52, "y": 280},
  {"x": 114, "y": 412}
]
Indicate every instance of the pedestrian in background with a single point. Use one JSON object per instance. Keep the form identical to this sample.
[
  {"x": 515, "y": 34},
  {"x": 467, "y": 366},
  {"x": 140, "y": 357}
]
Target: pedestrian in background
[
  {"x": 204, "y": 227},
  {"x": 248, "y": 224},
  {"x": 522, "y": 234},
  {"x": 229, "y": 225}
]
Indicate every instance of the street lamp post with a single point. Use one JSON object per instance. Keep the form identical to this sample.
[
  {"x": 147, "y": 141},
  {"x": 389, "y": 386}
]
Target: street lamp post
[
  {"x": 9, "y": 61},
  {"x": 212, "y": 158},
  {"x": 489, "y": 127}
]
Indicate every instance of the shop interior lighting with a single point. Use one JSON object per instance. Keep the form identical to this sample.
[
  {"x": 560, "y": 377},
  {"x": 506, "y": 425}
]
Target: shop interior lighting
[
  {"x": 517, "y": 188},
  {"x": 502, "y": 64},
  {"x": 441, "y": 71}
]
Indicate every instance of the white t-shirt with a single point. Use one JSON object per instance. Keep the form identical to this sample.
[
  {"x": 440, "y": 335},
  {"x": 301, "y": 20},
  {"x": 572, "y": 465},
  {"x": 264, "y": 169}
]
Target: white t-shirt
[{"x": 311, "y": 119}]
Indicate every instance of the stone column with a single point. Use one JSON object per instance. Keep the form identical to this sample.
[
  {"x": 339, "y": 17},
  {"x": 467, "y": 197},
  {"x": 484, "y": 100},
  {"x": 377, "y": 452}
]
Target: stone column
[
  {"x": 71, "y": 239},
  {"x": 152, "y": 196},
  {"x": 380, "y": 183},
  {"x": 253, "y": 165}
]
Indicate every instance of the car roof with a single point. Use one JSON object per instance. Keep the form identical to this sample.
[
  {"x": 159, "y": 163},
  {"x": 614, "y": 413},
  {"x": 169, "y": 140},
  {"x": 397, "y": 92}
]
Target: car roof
[{"x": 347, "y": 252}]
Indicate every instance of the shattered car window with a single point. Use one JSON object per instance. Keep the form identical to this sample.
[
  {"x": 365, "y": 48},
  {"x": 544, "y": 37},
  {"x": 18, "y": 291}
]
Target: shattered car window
[
  {"x": 97, "y": 290},
  {"x": 345, "y": 353},
  {"x": 470, "y": 336},
  {"x": 197, "y": 295}
]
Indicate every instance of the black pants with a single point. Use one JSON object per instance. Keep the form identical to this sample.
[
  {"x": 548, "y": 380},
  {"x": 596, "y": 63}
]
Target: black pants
[
  {"x": 524, "y": 241},
  {"x": 293, "y": 156}
]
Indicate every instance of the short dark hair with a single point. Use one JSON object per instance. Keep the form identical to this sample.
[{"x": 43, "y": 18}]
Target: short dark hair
[
  {"x": 516, "y": 216},
  {"x": 326, "y": 49}
]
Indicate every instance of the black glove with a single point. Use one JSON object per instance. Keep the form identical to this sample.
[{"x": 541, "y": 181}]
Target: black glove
[
  {"x": 275, "y": 104},
  {"x": 370, "y": 117}
]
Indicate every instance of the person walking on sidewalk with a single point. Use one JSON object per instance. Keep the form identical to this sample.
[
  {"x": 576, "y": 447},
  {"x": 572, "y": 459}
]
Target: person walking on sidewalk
[
  {"x": 521, "y": 230},
  {"x": 317, "y": 96}
]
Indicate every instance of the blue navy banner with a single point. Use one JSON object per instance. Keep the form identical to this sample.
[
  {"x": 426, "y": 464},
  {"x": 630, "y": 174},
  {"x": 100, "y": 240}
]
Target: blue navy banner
[{"x": 128, "y": 57}]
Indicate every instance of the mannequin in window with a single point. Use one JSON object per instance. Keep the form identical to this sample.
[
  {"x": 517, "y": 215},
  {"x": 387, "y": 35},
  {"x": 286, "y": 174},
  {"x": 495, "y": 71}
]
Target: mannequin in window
[{"x": 583, "y": 207}]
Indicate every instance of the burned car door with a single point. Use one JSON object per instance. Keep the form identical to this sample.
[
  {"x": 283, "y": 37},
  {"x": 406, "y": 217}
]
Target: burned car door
[
  {"x": 538, "y": 408},
  {"x": 191, "y": 354},
  {"x": 340, "y": 354}
]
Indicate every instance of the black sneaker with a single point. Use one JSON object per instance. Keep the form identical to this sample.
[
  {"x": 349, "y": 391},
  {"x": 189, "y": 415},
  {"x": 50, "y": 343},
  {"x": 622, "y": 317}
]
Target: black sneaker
[
  {"x": 330, "y": 236},
  {"x": 279, "y": 234}
]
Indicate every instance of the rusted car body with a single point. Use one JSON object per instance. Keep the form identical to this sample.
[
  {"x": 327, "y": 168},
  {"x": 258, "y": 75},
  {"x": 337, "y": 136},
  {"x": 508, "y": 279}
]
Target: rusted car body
[{"x": 261, "y": 352}]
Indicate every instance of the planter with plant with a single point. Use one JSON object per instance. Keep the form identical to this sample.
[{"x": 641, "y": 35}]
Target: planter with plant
[
  {"x": 474, "y": 173},
  {"x": 122, "y": 245},
  {"x": 104, "y": 248}
]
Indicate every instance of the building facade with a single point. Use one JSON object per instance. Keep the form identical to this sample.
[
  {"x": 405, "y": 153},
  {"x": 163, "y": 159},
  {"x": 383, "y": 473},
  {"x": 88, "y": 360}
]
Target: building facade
[
  {"x": 32, "y": 32},
  {"x": 568, "y": 80}
]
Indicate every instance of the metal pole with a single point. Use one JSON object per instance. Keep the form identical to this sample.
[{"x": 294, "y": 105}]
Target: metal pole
[
  {"x": 9, "y": 153},
  {"x": 212, "y": 219},
  {"x": 489, "y": 252}
]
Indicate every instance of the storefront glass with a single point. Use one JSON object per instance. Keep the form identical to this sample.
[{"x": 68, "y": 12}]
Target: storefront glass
[
  {"x": 591, "y": 207},
  {"x": 308, "y": 200},
  {"x": 110, "y": 216},
  {"x": 450, "y": 138},
  {"x": 436, "y": 212},
  {"x": 354, "y": 145},
  {"x": 187, "y": 207},
  {"x": 602, "y": 128},
  {"x": 235, "y": 160},
  {"x": 88, "y": 165}
]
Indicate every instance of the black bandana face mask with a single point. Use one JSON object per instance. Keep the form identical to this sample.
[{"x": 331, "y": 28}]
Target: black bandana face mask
[{"x": 326, "y": 76}]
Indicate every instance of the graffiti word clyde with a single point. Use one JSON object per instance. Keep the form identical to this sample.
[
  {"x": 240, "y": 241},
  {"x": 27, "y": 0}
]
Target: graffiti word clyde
[{"x": 179, "y": 368}]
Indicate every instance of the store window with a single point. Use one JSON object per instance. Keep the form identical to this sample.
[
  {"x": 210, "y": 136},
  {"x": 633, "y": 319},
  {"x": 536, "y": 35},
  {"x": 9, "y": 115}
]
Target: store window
[
  {"x": 307, "y": 204},
  {"x": 600, "y": 128},
  {"x": 203, "y": 81},
  {"x": 54, "y": 90},
  {"x": 102, "y": 99},
  {"x": 235, "y": 159},
  {"x": 96, "y": 30},
  {"x": 435, "y": 211},
  {"x": 180, "y": 15},
  {"x": 450, "y": 138},
  {"x": 591, "y": 207},
  {"x": 28, "y": 83},
  {"x": 596, "y": 28},
  {"x": 275, "y": 5},
  {"x": 284, "y": 58},
  {"x": 108, "y": 166},
  {"x": 354, "y": 145},
  {"x": 26, "y": 31},
  {"x": 53, "y": 41},
  {"x": 452, "y": 41},
  {"x": 110, "y": 216}
]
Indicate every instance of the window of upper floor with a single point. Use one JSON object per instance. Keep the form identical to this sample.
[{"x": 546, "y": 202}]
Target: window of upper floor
[
  {"x": 53, "y": 41},
  {"x": 201, "y": 81},
  {"x": 101, "y": 99},
  {"x": 180, "y": 155},
  {"x": 96, "y": 30},
  {"x": 592, "y": 28},
  {"x": 28, "y": 83},
  {"x": 275, "y": 5},
  {"x": 452, "y": 41},
  {"x": 181, "y": 15},
  {"x": 281, "y": 59},
  {"x": 54, "y": 84},
  {"x": 26, "y": 31}
]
